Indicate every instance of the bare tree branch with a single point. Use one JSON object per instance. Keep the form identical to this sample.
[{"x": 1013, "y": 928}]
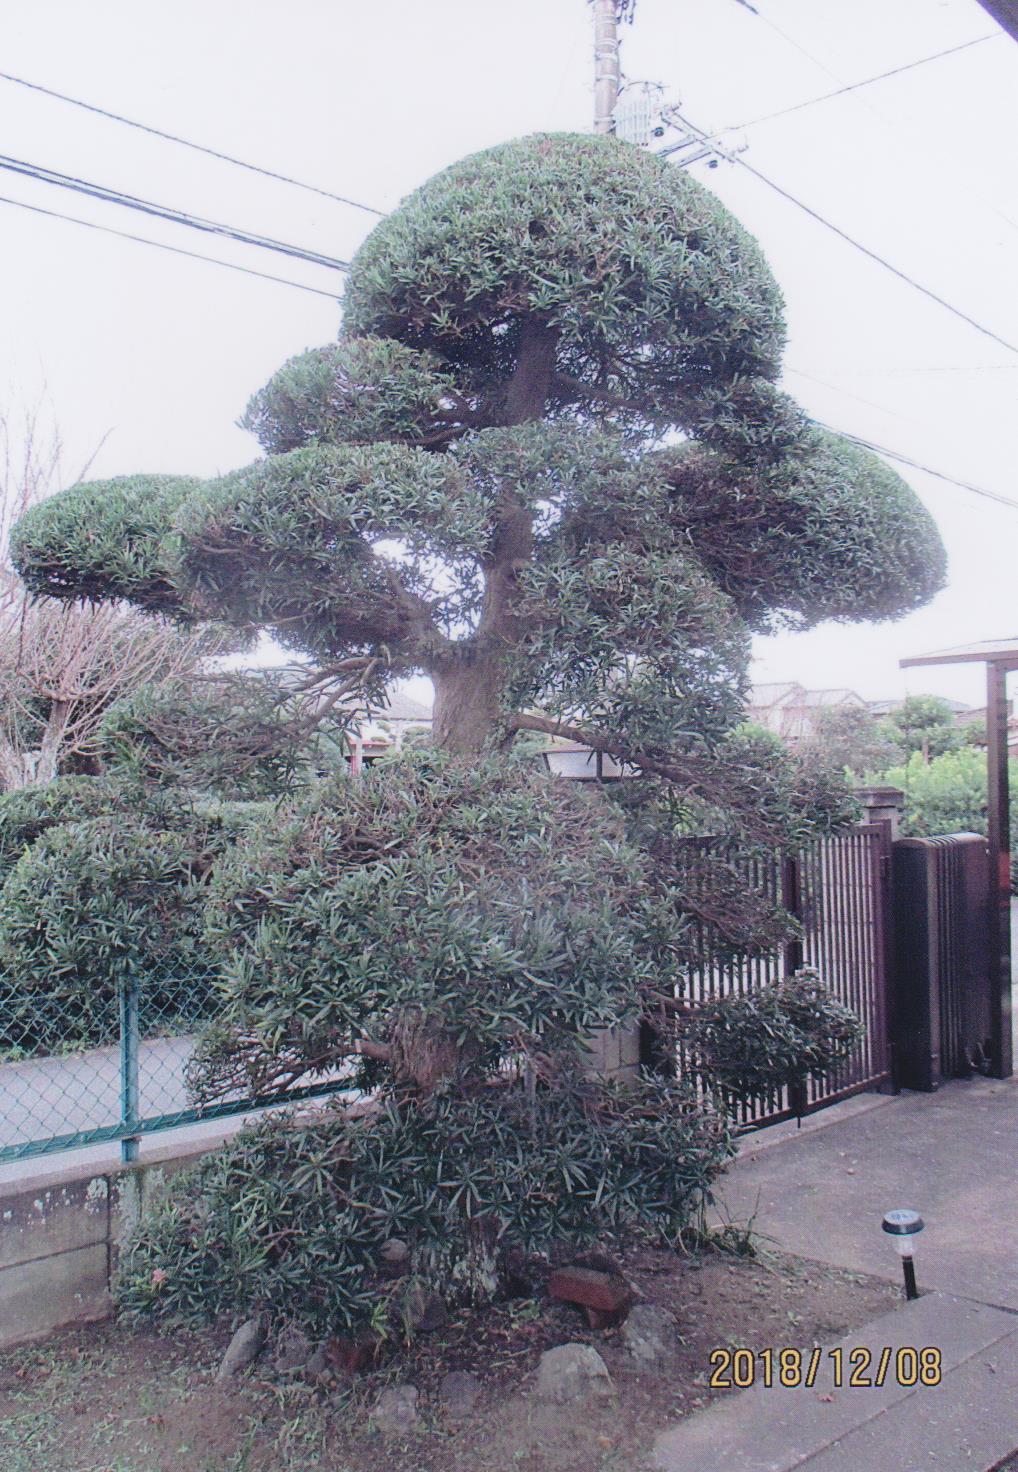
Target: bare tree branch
[{"x": 63, "y": 664}]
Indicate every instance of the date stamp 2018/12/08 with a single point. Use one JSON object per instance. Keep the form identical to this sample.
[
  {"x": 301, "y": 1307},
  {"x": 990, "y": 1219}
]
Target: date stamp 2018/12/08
[{"x": 858, "y": 1369}]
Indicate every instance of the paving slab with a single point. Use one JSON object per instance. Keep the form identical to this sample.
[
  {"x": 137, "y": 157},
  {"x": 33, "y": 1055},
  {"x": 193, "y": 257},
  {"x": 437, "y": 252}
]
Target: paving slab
[
  {"x": 971, "y": 1427},
  {"x": 949, "y": 1155},
  {"x": 835, "y": 1428}
]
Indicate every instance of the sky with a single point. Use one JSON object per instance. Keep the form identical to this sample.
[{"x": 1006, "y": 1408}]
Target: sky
[{"x": 145, "y": 359}]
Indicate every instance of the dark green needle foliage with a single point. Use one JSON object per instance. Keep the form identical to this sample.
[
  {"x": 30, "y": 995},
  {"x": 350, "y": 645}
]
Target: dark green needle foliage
[
  {"x": 481, "y": 482},
  {"x": 104, "y": 539},
  {"x": 29, "y": 812},
  {"x": 465, "y": 927},
  {"x": 239, "y": 738},
  {"x": 781, "y": 1036},
  {"x": 467, "y": 483},
  {"x": 102, "y": 881},
  {"x": 89, "y": 906},
  {"x": 290, "y": 1219}
]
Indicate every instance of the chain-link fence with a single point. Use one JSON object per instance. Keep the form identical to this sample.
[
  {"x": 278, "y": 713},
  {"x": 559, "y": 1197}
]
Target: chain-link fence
[{"x": 83, "y": 1061}]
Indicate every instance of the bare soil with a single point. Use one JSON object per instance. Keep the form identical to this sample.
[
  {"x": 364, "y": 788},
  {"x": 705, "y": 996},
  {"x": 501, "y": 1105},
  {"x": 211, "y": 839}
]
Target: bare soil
[{"x": 113, "y": 1399}]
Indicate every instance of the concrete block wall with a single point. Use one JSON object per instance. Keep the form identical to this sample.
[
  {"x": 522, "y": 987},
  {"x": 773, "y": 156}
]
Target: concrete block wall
[
  {"x": 59, "y": 1240},
  {"x": 614, "y": 1052}
]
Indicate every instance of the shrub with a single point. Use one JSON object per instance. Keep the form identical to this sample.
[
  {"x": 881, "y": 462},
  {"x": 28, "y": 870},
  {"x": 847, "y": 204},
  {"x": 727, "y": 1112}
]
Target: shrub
[
  {"x": 28, "y": 812},
  {"x": 459, "y": 930},
  {"x": 89, "y": 906},
  {"x": 753, "y": 1045},
  {"x": 948, "y": 795},
  {"x": 290, "y": 1218},
  {"x": 236, "y": 737}
]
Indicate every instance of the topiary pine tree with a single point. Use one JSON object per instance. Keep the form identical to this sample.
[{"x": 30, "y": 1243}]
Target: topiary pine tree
[
  {"x": 462, "y": 485},
  {"x": 480, "y": 481}
]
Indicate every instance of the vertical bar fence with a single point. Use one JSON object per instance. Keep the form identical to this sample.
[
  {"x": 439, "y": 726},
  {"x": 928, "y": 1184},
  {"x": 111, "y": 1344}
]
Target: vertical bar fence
[{"x": 838, "y": 890}]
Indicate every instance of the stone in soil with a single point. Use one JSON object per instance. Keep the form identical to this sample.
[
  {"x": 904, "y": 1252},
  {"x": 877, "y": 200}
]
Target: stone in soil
[
  {"x": 573, "y": 1372},
  {"x": 423, "y": 1312},
  {"x": 604, "y": 1297},
  {"x": 458, "y": 1392},
  {"x": 395, "y": 1411},
  {"x": 245, "y": 1347},
  {"x": 649, "y": 1335},
  {"x": 293, "y": 1349},
  {"x": 394, "y": 1258},
  {"x": 348, "y": 1356}
]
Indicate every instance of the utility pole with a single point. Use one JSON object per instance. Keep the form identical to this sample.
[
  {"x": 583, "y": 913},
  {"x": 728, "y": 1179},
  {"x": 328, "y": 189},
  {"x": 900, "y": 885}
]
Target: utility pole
[
  {"x": 606, "y": 64},
  {"x": 615, "y": 1052}
]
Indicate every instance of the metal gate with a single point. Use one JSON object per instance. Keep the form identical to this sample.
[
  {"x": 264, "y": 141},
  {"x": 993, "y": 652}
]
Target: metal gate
[
  {"x": 838, "y": 889},
  {"x": 943, "y": 1025}
]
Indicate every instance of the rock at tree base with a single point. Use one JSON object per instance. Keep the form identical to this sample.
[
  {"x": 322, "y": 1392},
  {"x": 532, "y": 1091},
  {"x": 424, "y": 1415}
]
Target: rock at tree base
[
  {"x": 394, "y": 1258},
  {"x": 395, "y": 1411},
  {"x": 245, "y": 1346},
  {"x": 573, "y": 1372},
  {"x": 423, "y": 1312},
  {"x": 353, "y": 1356},
  {"x": 459, "y": 1392},
  {"x": 293, "y": 1349},
  {"x": 649, "y": 1336},
  {"x": 604, "y": 1297}
]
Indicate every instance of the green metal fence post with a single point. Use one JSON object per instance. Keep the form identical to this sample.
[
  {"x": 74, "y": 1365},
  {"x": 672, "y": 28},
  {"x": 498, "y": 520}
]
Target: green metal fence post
[{"x": 129, "y": 1068}]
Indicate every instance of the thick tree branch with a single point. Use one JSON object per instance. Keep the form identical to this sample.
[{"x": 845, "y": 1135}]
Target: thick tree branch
[
  {"x": 592, "y": 394},
  {"x": 530, "y": 384},
  {"x": 685, "y": 770},
  {"x": 417, "y": 611}
]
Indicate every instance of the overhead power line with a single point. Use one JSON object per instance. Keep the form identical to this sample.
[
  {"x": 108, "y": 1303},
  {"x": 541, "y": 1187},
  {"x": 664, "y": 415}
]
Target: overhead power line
[
  {"x": 174, "y": 216},
  {"x": 897, "y": 71},
  {"x": 918, "y": 465},
  {"x": 880, "y": 260},
  {"x": 317, "y": 291},
  {"x": 891, "y": 131},
  {"x": 894, "y": 454},
  {"x": 161, "y": 245},
  {"x": 873, "y": 255},
  {"x": 228, "y": 158},
  {"x": 167, "y": 212}
]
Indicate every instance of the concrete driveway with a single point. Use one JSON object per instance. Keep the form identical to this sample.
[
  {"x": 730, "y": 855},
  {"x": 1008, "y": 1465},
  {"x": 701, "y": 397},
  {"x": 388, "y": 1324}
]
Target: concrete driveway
[{"x": 951, "y": 1156}]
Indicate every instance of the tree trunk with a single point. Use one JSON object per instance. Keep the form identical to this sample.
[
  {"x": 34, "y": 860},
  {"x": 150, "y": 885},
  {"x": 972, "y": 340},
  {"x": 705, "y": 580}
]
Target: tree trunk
[
  {"x": 467, "y": 706},
  {"x": 52, "y": 739},
  {"x": 527, "y": 393},
  {"x": 423, "y": 1055}
]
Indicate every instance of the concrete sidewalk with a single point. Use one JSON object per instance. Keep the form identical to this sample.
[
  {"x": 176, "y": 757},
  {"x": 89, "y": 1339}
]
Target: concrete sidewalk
[
  {"x": 968, "y": 1420},
  {"x": 952, "y": 1156},
  {"x": 822, "y": 1193}
]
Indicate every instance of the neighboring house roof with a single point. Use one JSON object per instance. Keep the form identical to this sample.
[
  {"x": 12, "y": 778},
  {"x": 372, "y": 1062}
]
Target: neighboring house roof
[
  {"x": 884, "y": 707},
  {"x": 837, "y": 696},
  {"x": 976, "y": 714},
  {"x": 790, "y": 710},
  {"x": 761, "y": 696},
  {"x": 400, "y": 707}
]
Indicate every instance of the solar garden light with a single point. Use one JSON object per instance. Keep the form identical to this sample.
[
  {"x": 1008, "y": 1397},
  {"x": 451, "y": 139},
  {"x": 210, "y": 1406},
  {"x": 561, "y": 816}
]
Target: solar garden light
[{"x": 903, "y": 1227}]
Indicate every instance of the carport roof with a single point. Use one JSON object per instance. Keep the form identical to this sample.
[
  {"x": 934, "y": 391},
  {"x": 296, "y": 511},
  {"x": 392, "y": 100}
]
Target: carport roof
[{"x": 988, "y": 651}]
